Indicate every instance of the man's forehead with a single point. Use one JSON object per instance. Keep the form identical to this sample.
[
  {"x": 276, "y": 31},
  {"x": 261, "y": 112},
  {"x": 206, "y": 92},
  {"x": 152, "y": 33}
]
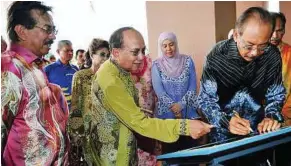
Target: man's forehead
[
  {"x": 66, "y": 46},
  {"x": 133, "y": 39},
  {"x": 42, "y": 17}
]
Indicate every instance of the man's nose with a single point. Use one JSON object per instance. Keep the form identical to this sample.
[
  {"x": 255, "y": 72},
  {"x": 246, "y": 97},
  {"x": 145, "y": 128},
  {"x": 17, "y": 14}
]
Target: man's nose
[
  {"x": 274, "y": 35},
  {"x": 254, "y": 52},
  {"x": 52, "y": 36},
  {"x": 140, "y": 56}
]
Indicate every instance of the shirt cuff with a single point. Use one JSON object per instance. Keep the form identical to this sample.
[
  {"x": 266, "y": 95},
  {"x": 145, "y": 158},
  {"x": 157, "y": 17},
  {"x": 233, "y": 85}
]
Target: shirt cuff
[
  {"x": 276, "y": 116},
  {"x": 184, "y": 127}
]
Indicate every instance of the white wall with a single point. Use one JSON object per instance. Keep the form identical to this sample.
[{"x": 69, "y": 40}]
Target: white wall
[{"x": 78, "y": 22}]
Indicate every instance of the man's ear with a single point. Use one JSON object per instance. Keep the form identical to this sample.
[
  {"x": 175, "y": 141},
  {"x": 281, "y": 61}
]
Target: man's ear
[
  {"x": 58, "y": 51},
  {"x": 21, "y": 32},
  {"x": 115, "y": 52},
  {"x": 235, "y": 35}
]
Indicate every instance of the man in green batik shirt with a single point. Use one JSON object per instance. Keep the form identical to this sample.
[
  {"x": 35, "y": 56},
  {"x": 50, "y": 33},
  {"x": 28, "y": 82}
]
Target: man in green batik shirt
[{"x": 116, "y": 114}]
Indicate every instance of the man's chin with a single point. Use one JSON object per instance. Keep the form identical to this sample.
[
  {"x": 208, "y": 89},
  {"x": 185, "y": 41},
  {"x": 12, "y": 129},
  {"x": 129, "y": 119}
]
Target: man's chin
[{"x": 248, "y": 59}]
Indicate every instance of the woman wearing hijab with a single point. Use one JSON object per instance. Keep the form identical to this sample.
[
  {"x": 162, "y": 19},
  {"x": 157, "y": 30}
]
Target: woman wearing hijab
[
  {"x": 174, "y": 82},
  {"x": 82, "y": 139},
  {"x": 141, "y": 74}
]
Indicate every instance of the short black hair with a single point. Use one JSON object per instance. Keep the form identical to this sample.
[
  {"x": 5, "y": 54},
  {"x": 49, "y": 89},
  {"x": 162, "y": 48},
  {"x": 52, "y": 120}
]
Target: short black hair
[
  {"x": 79, "y": 50},
  {"x": 116, "y": 39},
  {"x": 19, "y": 13},
  {"x": 281, "y": 16},
  {"x": 254, "y": 12}
]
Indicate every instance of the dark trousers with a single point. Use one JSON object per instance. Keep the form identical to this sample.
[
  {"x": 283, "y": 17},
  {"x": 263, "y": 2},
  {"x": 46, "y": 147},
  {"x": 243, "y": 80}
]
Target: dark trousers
[
  {"x": 256, "y": 159},
  {"x": 283, "y": 155},
  {"x": 184, "y": 142}
]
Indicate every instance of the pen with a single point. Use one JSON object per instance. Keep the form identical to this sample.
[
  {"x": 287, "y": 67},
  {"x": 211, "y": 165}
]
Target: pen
[{"x": 237, "y": 115}]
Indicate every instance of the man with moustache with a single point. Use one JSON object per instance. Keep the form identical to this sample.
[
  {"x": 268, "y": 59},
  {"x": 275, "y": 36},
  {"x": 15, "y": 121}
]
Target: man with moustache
[
  {"x": 34, "y": 112},
  {"x": 61, "y": 72},
  {"x": 282, "y": 156},
  {"x": 242, "y": 76},
  {"x": 285, "y": 50}
]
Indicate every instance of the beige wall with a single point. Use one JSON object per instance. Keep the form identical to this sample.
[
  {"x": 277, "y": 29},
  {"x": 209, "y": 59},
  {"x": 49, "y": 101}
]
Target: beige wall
[
  {"x": 199, "y": 25},
  {"x": 192, "y": 22},
  {"x": 241, "y": 6},
  {"x": 285, "y": 7},
  {"x": 225, "y": 16}
]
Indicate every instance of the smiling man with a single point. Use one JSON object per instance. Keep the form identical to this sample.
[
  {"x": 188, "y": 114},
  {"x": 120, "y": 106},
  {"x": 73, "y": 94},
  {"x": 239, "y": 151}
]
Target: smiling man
[
  {"x": 116, "y": 112},
  {"x": 34, "y": 112},
  {"x": 243, "y": 75}
]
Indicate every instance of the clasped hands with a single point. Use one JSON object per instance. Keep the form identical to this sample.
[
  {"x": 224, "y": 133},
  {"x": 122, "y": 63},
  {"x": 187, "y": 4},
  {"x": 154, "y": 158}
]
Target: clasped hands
[{"x": 176, "y": 109}]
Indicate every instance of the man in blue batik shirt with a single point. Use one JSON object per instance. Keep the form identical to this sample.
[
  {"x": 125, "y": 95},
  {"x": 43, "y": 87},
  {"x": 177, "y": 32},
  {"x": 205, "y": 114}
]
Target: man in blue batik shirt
[
  {"x": 242, "y": 76},
  {"x": 61, "y": 72}
]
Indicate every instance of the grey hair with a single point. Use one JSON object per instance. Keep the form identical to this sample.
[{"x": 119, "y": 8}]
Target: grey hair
[{"x": 63, "y": 43}]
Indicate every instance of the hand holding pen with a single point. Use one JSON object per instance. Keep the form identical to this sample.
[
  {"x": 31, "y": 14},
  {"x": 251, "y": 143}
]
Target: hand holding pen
[{"x": 239, "y": 125}]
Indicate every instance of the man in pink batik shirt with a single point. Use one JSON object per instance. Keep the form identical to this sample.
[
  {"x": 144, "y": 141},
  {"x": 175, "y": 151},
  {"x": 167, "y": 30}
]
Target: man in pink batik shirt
[{"x": 34, "y": 112}]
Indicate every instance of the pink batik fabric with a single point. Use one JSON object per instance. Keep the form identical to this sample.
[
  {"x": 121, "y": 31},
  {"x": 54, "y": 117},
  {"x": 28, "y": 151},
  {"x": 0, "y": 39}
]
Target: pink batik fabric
[{"x": 34, "y": 113}]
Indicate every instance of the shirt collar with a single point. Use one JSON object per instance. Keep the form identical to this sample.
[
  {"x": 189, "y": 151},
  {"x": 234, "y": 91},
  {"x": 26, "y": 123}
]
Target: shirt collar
[
  {"x": 233, "y": 52},
  {"x": 28, "y": 56},
  {"x": 121, "y": 70},
  {"x": 59, "y": 62}
]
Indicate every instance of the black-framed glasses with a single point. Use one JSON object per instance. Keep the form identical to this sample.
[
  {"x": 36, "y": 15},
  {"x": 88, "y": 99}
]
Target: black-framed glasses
[
  {"x": 49, "y": 30},
  {"x": 261, "y": 48},
  {"x": 136, "y": 51},
  {"x": 104, "y": 55}
]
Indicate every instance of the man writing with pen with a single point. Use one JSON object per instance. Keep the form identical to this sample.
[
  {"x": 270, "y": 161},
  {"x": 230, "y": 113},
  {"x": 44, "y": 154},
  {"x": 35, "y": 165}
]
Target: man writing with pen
[{"x": 241, "y": 85}]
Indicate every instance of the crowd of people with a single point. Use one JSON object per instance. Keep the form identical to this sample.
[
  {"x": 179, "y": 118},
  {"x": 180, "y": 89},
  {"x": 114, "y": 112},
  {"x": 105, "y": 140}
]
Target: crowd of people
[{"x": 117, "y": 106}]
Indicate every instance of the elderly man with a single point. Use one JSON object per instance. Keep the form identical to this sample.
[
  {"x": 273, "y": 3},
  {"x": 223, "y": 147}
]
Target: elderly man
[
  {"x": 116, "y": 114},
  {"x": 34, "y": 112},
  {"x": 61, "y": 72},
  {"x": 241, "y": 86}
]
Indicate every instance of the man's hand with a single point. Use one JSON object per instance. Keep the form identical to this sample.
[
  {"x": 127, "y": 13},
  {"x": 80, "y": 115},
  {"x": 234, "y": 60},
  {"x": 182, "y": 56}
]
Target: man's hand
[
  {"x": 268, "y": 125},
  {"x": 198, "y": 128},
  {"x": 239, "y": 126},
  {"x": 176, "y": 109}
]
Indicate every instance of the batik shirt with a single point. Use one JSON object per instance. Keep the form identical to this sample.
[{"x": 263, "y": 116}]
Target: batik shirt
[
  {"x": 253, "y": 89},
  {"x": 81, "y": 103},
  {"x": 62, "y": 75},
  {"x": 286, "y": 71},
  {"x": 143, "y": 83},
  {"x": 116, "y": 114},
  {"x": 34, "y": 113},
  {"x": 181, "y": 89}
]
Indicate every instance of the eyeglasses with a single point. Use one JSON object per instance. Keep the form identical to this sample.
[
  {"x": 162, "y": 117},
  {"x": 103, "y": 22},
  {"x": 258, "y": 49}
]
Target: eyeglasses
[
  {"x": 261, "y": 48},
  {"x": 136, "y": 51},
  {"x": 103, "y": 54},
  {"x": 49, "y": 30}
]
